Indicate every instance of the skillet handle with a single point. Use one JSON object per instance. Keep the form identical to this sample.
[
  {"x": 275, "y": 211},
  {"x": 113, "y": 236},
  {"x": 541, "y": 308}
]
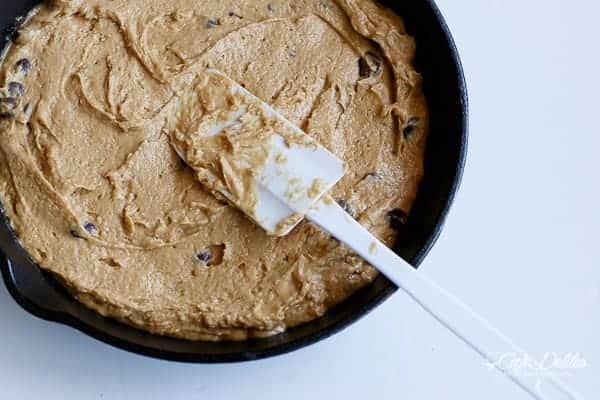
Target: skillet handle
[{"x": 479, "y": 334}]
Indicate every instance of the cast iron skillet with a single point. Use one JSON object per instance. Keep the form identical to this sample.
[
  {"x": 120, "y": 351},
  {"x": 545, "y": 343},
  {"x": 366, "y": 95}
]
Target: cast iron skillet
[{"x": 444, "y": 86}]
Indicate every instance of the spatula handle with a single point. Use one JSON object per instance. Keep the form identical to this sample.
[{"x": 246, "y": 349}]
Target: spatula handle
[{"x": 451, "y": 312}]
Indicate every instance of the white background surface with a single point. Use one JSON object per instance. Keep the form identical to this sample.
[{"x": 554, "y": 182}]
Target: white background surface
[{"x": 520, "y": 246}]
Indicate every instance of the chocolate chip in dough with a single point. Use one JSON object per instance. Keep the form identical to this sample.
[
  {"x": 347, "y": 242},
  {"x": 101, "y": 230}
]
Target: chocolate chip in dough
[
  {"x": 211, "y": 23},
  {"x": 16, "y": 89},
  {"x": 90, "y": 228},
  {"x": 410, "y": 128},
  {"x": 270, "y": 7},
  {"x": 204, "y": 257},
  {"x": 211, "y": 256},
  {"x": 369, "y": 65},
  {"x": 24, "y": 65},
  {"x": 5, "y": 116}
]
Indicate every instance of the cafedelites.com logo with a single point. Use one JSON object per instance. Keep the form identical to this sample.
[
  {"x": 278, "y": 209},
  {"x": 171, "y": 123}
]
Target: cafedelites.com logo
[{"x": 546, "y": 364}]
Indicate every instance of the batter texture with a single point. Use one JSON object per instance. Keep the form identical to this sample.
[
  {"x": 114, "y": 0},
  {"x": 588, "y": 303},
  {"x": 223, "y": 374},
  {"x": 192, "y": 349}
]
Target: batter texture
[{"x": 97, "y": 195}]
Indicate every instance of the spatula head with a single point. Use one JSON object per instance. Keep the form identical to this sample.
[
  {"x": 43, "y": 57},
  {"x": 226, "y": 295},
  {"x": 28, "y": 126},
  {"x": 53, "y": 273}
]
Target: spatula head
[{"x": 244, "y": 150}]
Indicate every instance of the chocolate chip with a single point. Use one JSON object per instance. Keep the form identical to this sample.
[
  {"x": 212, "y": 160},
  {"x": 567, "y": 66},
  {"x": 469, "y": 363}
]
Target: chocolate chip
[
  {"x": 91, "y": 228},
  {"x": 270, "y": 7},
  {"x": 346, "y": 206},
  {"x": 369, "y": 65},
  {"x": 16, "y": 89},
  {"x": 204, "y": 257},
  {"x": 234, "y": 14},
  {"x": 24, "y": 65},
  {"x": 411, "y": 127},
  {"x": 211, "y": 23},
  {"x": 5, "y": 116},
  {"x": 398, "y": 218}
]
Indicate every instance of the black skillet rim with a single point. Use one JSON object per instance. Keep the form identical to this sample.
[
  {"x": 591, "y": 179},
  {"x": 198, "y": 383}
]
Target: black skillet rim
[{"x": 316, "y": 335}]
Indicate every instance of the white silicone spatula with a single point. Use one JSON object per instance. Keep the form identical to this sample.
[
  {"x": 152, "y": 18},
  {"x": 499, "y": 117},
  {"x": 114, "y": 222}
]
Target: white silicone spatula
[{"x": 292, "y": 184}]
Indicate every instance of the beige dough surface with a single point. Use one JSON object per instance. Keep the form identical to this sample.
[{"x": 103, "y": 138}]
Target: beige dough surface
[{"x": 97, "y": 195}]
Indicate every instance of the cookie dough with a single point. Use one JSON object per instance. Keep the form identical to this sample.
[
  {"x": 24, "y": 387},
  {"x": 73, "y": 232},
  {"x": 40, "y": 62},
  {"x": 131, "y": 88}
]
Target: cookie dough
[{"x": 97, "y": 195}]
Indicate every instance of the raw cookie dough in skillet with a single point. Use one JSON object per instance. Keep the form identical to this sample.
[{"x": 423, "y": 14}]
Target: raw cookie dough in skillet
[{"x": 98, "y": 197}]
